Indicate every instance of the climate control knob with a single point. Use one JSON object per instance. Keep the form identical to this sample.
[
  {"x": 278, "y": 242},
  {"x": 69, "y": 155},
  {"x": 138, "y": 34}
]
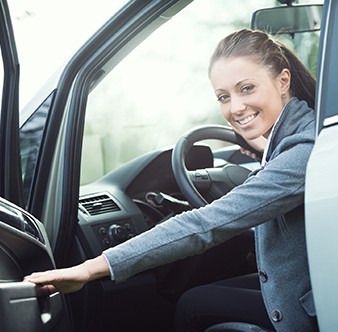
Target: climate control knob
[{"x": 118, "y": 233}]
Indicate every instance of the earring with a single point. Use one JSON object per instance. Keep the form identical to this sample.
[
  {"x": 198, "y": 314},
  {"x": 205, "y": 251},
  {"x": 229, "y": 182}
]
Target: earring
[{"x": 283, "y": 95}]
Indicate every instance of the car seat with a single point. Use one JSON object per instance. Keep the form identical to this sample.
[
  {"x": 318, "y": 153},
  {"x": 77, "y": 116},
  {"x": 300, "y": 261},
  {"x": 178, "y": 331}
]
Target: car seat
[{"x": 235, "y": 327}]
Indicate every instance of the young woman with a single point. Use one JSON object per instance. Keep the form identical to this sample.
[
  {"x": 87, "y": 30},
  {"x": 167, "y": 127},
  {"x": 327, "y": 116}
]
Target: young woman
[{"x": 263, "y": 90}]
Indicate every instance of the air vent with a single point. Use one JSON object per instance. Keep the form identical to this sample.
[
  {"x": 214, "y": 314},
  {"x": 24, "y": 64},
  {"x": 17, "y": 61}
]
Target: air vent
[{"x": 99, "y": 204}]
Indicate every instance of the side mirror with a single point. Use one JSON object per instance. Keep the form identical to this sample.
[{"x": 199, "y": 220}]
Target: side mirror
[{"x": 291, "y": 19}]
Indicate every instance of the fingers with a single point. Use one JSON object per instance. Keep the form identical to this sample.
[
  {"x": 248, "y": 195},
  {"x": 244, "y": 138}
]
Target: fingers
[
  {"x": 249, "y": 154},
  {"x": 44, "y": 280},
  {"x": 46, "y": 290},
  {"x": 70, "y": 279},
  {"x": 62, "y": 280},
  {"x": 40, "y": 277},
  {"x": 51, "y": 289}
]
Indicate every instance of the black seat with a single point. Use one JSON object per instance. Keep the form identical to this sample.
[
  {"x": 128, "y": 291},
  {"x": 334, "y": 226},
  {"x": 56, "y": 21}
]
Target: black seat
[{"x": 235, "y": 327}]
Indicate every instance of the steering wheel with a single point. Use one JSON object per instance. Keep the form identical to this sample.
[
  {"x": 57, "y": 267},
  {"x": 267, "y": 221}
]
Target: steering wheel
[{"x": 213, "y": 182}]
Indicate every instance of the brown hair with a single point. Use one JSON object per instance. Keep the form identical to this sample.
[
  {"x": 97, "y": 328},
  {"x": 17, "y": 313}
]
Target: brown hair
[{"x": 263, "y": 49}]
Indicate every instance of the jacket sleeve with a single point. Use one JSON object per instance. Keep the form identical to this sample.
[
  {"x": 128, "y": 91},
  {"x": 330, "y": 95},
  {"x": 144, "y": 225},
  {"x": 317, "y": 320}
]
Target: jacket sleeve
[{"x": 271, "y": 192}]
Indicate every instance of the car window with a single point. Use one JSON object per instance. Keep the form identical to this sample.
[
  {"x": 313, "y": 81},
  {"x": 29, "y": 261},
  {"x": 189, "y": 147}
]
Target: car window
[
  {"x": 30, "y": 142},
  {"x": 42, "y": 52},
  {"x": 49, "y": 32},
  {"x": 162, "y": 88}
]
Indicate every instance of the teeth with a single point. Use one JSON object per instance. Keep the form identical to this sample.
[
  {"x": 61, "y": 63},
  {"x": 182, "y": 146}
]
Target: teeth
[{"x": 246, "y": 120}]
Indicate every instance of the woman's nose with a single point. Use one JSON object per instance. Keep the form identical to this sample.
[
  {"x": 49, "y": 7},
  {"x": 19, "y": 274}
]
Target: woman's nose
[{"x": 237, "y": 105}]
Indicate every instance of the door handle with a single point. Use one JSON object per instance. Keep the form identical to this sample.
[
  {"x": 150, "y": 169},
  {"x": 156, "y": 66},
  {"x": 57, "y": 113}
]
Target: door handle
[{"x": 25, "y": 307}]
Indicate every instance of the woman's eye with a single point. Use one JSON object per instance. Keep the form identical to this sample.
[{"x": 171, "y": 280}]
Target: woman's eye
[
  {"x": 247, "y": 88},
  {"x": 222, "y": 98}
]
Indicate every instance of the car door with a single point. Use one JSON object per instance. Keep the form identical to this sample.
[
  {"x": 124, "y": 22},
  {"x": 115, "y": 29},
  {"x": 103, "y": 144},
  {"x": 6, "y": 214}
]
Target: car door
[
  {"x": 321, "y": 196},
  {"x": 53, "y": 193},
  {"x": 24, "y": 246}
]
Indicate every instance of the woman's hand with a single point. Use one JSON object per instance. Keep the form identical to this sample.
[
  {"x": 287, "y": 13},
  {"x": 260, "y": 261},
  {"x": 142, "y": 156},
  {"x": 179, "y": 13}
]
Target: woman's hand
[
  {"x": 70, "y": 279},
  {"x": 250, "y": 154},
  {"x": 258, "y": 144}
]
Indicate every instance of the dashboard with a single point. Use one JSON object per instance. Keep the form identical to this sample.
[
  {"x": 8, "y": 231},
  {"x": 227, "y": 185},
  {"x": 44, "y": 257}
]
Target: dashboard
[{"x": 133, "y": 199}]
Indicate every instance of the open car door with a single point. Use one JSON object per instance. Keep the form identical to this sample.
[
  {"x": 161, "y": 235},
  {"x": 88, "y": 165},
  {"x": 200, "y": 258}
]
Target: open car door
[
  {"x": 24, "y": 246},
  {"x": 321, "y": 195}
]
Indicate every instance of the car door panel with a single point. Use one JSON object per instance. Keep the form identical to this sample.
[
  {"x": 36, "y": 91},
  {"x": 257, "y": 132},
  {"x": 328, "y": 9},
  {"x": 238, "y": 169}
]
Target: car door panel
[
  {"x": 24, "y": 308},
  {"x": 322, "y": 227},
  {"x": 24, "y": 245},
  {"x": 24, "y": 248},
  {"x": 321, "y": 188}
]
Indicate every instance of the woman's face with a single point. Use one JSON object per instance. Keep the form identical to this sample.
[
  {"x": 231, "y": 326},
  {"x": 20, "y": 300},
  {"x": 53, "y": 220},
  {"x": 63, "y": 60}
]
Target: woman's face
[{"x": 250, "y": 98}]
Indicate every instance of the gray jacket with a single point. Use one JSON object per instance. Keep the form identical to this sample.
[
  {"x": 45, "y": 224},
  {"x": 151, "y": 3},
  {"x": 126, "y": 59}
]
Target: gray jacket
[{"x": 271, "y": 200}]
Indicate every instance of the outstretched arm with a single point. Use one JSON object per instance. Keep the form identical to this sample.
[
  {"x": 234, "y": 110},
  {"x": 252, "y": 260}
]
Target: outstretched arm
[{"x": 70, "y": 279}]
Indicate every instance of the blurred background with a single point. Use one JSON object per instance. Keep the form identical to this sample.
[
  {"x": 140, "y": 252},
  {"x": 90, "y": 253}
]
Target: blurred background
[{"x": 160, "y": 90}]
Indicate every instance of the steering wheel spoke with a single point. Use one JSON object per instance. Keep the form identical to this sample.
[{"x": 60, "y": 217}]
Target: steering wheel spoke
[{"x": 201, "y": 186}]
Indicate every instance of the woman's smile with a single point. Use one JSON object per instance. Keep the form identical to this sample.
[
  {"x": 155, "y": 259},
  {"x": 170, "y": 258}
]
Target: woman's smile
[{"x": 247, "y": 119}]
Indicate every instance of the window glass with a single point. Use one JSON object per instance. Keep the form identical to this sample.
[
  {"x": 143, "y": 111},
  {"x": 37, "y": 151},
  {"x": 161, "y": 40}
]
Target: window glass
[
  {"x": 49, "y": 32},
  {"x": 30, "y": 142},
  {"x": 46, "y": 38},
  {"x": 162, "y": 88},
  {"x": 306, "y": 47}
]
